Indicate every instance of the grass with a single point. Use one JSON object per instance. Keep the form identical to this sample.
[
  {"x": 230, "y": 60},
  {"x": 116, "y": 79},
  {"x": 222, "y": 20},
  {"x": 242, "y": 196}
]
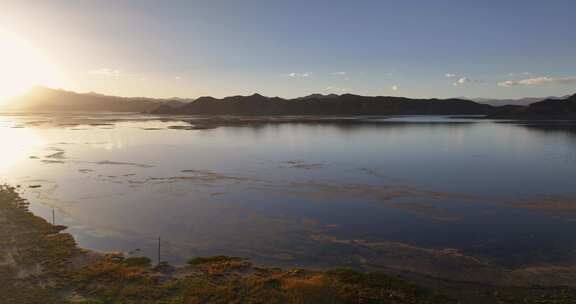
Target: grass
[
  {"x": 214, "y": 259},
  {"x": 35, "y": 257},
  {"x": 137, "y": 262}
]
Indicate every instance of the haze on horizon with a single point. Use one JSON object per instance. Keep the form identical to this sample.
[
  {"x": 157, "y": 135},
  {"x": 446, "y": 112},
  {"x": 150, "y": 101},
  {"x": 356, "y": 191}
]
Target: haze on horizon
[{"x": 178, "y": 48}]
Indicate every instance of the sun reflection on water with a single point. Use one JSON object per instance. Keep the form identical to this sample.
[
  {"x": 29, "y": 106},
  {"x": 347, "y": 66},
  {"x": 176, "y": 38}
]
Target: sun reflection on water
[{"x": 17, "y": 144}]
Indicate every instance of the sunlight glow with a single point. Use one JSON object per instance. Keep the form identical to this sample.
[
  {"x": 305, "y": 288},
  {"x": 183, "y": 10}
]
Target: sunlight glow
[
  {"x": 22, "y": 143},
  {"x": 22, "y": 66}
]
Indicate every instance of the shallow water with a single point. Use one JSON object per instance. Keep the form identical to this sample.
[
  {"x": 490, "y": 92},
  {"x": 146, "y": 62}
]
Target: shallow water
[{"x": 302, "y": 193}]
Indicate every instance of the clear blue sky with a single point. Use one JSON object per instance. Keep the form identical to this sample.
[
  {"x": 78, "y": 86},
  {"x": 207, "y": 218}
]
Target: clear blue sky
[{"x": 415, "y": 48}]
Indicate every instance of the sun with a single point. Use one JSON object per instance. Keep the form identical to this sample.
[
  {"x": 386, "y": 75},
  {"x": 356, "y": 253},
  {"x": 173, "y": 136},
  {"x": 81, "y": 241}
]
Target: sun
[{"x": 22, "y": 67}]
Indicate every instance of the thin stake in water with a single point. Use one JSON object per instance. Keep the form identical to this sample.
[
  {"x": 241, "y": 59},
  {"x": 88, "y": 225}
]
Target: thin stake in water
[{"x": 159, "y": 248}]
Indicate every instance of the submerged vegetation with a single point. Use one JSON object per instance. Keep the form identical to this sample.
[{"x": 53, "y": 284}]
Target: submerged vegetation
[{"x": 41, "y": 264}]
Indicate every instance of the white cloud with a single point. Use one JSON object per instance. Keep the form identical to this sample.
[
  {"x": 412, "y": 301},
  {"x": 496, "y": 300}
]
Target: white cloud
[
  {"x": 106, "y": 72},
  {"x": 394, "y": 88},
  {"x": 464, "y": 81},
  {"x": 337, "y": 89},
  {"x": 460, "y": 80},
  {"x": 513, "y": 74},
  {"x": 539, "y": 81},
  {"x": 300, "y": 75},
  {"x": 339, "y": 73}
]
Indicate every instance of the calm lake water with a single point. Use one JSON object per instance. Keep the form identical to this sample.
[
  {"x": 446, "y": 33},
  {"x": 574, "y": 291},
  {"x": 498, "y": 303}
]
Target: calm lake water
[{"x": 367, "y": 195}]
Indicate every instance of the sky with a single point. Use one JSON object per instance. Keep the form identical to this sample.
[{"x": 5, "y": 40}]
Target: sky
[{"x": 413, "y": 48}]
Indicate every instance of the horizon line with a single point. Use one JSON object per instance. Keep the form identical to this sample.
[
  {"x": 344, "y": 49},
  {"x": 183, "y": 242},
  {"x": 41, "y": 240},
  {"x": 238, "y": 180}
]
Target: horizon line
[{"x": 274, "y": 96}]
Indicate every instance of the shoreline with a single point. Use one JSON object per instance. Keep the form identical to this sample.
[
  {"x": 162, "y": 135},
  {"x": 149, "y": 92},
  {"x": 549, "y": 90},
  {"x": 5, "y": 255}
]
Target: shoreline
[
  {"x": 45, "y": 264},
  {"x": 39, "y": 263}
]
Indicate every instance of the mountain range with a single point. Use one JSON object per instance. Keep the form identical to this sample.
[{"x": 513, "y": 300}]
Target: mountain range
[
  {"x": 513, "y": 102},
  {"x": 346, "y": 104},
  {"x": 549, "y": 109},
  {"x": 41, "y": 99}
]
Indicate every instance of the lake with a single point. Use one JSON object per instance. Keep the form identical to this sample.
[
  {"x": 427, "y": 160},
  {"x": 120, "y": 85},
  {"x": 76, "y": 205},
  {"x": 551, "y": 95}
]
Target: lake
[{"x": 423, "y": 194}]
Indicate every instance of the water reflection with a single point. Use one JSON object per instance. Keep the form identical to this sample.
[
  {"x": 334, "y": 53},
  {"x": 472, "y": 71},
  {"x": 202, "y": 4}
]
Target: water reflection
[
  {"x": 366, "y": 193},
  {"x": 566, "y": 128}
]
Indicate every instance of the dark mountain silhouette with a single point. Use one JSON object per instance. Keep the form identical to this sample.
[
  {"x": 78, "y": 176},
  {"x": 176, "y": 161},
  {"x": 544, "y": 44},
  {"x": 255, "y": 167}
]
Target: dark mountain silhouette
[
  {"x": 319, "y": 96},
  {"x": 546, "y": 109},
  {"x": 43, "y": 99},
  {"x": 346, "y": 104},
  {"x": 515, "y": 102}
]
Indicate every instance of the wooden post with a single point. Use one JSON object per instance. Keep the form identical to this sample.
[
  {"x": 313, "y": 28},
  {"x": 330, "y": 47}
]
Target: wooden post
[
  {"x": 159, "y": 249},
  {"x": 53, "y": 217}
]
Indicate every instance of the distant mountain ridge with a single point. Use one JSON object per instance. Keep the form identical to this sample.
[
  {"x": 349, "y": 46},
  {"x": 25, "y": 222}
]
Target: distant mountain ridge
[
  {"x": 549, "y": 109},
  {"x": 42, "y": 99},
  {"x": 317, "y": 104},
  {"x": 514, "y": 102}
]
